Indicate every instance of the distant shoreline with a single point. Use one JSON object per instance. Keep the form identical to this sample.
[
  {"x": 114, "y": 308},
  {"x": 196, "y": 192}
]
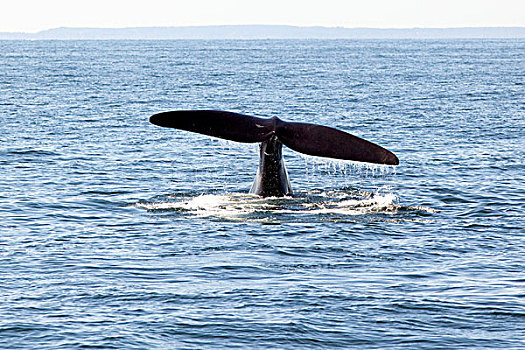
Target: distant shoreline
[{"x": 250, "y": 32}]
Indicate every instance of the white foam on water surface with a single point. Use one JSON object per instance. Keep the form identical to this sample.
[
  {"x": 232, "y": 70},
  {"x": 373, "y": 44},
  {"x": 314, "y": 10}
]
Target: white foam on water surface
[
  {"x": 221, "y": 205},
  {"x": 242, "y": 206}
]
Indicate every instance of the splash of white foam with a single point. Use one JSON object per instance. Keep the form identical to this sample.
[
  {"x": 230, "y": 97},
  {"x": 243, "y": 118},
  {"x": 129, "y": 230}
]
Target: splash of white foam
[
  {"x": 212, "y": 205},
  {"x": 376, "y": 203},
  {"x": 250, "y": 207}
]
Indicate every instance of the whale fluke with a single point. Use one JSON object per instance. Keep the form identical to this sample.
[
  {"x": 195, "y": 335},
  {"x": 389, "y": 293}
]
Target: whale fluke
[
  {"x": 310, "y": 139},
  {"x": 272, "y": 178}
]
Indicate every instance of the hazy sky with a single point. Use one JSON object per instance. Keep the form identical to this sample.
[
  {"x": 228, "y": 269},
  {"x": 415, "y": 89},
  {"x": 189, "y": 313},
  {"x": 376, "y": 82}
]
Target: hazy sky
[{"x": 35, "y": 15}]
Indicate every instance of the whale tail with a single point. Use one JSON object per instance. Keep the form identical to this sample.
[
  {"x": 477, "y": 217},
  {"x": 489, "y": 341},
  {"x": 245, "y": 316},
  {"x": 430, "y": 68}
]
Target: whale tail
[{"x": 310, "y": 139}]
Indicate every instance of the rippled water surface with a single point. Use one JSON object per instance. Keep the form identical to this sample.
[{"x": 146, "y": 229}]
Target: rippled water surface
[{"x": 119, "y": 234}]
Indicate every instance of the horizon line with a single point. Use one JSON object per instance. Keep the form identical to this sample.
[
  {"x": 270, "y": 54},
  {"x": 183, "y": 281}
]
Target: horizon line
[
  {"x": 265, "y": 25},
  {"x": 265, "y": 31}
]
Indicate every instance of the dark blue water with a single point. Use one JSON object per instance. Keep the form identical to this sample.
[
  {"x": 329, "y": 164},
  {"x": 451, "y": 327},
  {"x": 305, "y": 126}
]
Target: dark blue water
[{"x": 119, "y": 234}]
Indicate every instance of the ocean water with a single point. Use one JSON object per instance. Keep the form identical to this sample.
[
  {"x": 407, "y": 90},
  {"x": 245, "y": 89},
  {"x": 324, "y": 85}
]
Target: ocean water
[{"x": 117, "y": 234}]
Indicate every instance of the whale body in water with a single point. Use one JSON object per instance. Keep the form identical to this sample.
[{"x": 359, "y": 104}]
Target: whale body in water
[{"x": 272, "y": 133}]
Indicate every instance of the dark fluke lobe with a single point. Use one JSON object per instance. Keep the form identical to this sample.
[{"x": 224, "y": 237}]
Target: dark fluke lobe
[{"x": 225, "y": 125}]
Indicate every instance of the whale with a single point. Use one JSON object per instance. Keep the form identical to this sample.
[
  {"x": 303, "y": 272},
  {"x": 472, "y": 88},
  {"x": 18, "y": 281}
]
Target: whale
[{"x": 272, "y": 178}]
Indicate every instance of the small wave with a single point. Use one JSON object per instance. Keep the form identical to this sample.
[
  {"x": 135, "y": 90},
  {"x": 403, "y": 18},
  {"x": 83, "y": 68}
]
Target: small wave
[{"x": 37, "y": 152}]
